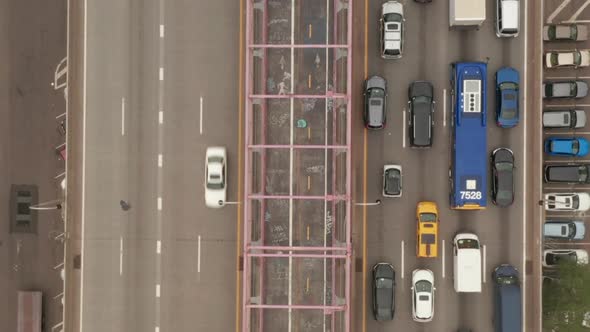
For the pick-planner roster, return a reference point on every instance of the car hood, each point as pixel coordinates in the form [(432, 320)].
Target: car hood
[(392, 7), (507, 74), (580, 230), (376, 82), (584, 201), (421, 88)]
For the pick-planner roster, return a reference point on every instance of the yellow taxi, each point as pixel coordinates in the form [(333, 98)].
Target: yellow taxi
[(427, 229)]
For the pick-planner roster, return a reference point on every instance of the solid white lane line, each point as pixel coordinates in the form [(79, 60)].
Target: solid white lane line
[(403, 267), (161, 30), (159, 203), (566, 77), (443, 259), (161, 73), (567, 161), (157, 290), (160, 160), (484, 263), (557, 10), (157, 329), (524, 180), (568, 105), (123, 116), (121, 256), (158, 247), (404, 128), (444, 108), (578, 12), (201, 116), (199, 255), (161, 117), (83, 203)]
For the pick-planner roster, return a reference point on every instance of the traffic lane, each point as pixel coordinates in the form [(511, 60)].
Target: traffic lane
[(101, 281), (198, 248)]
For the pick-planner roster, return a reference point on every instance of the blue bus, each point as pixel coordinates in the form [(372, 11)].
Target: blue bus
[(468, 171)]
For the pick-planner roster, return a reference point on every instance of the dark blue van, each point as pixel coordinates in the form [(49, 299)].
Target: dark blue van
[(507, 299)]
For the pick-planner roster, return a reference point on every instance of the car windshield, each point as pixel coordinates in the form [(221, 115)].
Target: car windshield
[(215, 181), (384, 283), (376, 93), (422, 99), (575, 147), (508, 86), (554, 259), (507, 280), (509, 113), (423, 286), (583, 173), (554, 58), (468, 244), (392, 17), (577, 58), (427, 239), (427, 217), (503, 166), (575, 202), (573, 89)]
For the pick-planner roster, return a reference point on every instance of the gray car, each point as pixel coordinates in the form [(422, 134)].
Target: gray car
[(565, 89), (564, 229), (564, 119), (421, 107), (375, 93), (570, 173)]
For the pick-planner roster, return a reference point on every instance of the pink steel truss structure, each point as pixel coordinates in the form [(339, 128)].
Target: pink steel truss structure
[(297, 253)]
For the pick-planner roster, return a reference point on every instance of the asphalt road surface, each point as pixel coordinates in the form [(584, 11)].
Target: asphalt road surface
[(159, 88), (430, 48)]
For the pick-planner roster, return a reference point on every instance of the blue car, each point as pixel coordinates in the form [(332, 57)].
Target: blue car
[(566, 146), (507, 81)]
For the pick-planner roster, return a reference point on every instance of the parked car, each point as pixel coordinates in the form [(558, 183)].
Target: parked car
[(423, 1), (375, 102), (502, 161), (383, 291), (215, 177), (565, 89), (392, 181), (566, 146), (392, 30), (575, 59), (564, 229), (564, 119), (421, 107), (422, 295), (553, 257), (565, 32), (579, 201), (570, 173), (507, 86), (427, 229)]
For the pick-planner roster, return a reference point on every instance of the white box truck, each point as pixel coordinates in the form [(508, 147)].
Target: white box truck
[(467, 13), (467, 263)]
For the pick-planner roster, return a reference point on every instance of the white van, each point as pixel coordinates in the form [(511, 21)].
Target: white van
[(507, 18), (467, 263)]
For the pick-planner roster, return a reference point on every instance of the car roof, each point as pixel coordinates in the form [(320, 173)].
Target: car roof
[(422, 123)]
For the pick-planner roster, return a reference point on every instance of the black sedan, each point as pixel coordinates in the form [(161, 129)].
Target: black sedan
[(421, 106), (502, 177), (375, 102), (383, 291)]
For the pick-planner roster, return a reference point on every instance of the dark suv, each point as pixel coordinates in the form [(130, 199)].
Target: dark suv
[(383, 291), (571, 173), (421, 106)]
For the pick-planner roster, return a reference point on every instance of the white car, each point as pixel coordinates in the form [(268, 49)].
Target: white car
[(552, 257), (422, 295), (567, 202), (575, 59), (392, 30), (215, 177)]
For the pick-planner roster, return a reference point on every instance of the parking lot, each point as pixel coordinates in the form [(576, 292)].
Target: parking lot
[(391, 226), (566, 12)]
